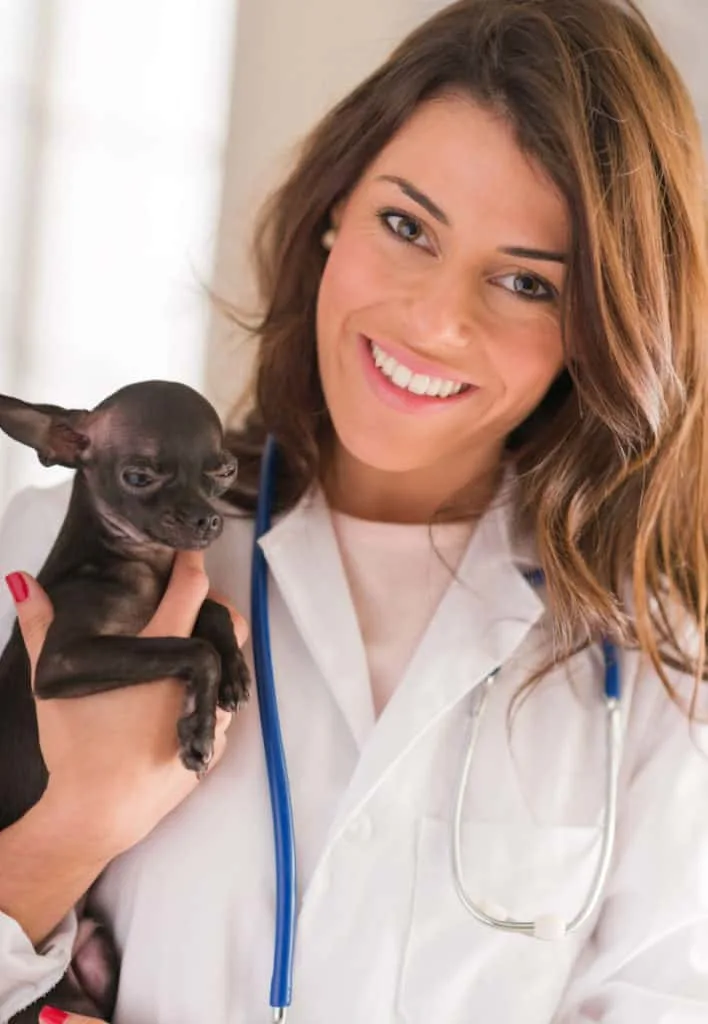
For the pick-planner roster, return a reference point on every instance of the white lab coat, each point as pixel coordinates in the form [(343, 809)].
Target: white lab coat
[(381, 934)]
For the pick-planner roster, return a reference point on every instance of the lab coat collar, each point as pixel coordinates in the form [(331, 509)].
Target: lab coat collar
[(303, 556), (482, 619)]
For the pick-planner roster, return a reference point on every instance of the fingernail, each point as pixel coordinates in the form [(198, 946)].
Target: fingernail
[(50, 1015), (17, 586)]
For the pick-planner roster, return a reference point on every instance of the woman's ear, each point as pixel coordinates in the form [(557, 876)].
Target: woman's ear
[(335, 217), (337, 212)]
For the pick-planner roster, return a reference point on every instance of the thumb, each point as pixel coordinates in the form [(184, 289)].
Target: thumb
[(34, 612), (184, 596)]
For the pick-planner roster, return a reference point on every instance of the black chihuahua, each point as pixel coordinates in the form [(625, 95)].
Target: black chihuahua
[(150, 464)]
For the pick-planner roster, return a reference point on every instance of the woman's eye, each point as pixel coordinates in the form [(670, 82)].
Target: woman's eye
[(137, 478), (527, 286), (407, 228)]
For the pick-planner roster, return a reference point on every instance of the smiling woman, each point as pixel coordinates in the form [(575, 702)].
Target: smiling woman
[(436, 274), (463, 213), (481, 402)]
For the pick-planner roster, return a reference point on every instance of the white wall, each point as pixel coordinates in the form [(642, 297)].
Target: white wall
[(293, 61), (682, 25), (113, 119)]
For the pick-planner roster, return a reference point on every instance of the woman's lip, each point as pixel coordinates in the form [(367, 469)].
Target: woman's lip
[(416, 363), (400, 399)]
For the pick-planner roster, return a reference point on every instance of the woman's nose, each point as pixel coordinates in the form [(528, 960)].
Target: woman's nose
[(445, 311)]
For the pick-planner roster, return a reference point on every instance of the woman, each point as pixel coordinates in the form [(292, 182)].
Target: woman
[(482, 353)]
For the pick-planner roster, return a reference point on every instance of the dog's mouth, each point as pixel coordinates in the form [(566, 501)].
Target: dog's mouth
[(175, 530), (123, 529), (176, 540), (184, 543), (187, 536)]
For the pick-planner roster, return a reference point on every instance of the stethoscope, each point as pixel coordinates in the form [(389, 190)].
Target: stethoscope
[(546, 927)]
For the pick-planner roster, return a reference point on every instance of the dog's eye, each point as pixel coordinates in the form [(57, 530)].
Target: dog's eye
[(222, 476), (137, 478)]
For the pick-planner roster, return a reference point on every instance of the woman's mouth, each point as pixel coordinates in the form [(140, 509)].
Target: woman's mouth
[(407, 386), (418, 383)]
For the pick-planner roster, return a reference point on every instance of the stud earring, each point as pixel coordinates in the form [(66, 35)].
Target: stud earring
[(328, 239)]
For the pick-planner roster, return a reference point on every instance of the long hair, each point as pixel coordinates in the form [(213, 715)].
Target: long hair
[(612, 467)]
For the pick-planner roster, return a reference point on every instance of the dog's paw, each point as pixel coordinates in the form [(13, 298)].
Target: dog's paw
[(235, 681), (196, 742)]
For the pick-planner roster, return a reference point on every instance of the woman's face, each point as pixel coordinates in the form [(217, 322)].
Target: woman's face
[(438, 327)]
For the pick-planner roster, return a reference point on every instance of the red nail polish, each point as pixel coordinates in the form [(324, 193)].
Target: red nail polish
[(50, 1015), (17, 586)]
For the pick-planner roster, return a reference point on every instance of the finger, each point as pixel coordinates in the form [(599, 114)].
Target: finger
[(50, 1015), (34, 612), (223, 720), (185, 594), (240, 624), (220, 741)]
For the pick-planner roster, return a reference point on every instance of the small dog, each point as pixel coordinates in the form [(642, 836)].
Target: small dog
[(150, 465)]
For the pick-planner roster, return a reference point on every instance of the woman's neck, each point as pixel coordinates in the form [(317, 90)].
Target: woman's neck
[(410, 496)]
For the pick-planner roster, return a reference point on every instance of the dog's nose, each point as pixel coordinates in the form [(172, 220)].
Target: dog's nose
[(209, 524)]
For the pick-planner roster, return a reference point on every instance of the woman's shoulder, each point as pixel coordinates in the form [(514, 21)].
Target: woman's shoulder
[(667, 708)]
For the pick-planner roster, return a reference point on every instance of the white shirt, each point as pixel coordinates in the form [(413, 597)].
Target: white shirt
[(397, 573), (381, 934)]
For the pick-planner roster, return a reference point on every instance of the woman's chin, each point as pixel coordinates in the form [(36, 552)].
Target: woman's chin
[(382, 454)]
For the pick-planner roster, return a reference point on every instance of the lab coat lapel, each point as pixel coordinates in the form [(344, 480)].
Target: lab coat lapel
[(481, 621), (303, 557)]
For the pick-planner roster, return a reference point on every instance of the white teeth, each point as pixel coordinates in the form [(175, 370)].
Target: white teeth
[(418, 383), (402, 376)]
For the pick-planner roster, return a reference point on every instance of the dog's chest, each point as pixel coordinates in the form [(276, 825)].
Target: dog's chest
[(128, 602)]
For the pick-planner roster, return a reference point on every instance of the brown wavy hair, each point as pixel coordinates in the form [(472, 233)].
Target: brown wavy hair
[(612, 466)]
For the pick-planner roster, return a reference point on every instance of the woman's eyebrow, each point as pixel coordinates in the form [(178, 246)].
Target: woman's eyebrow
[(434, 210), (534, 254), (417, 196)]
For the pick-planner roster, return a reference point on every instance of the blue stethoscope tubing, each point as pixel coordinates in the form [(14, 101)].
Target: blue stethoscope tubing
[(281, 805), (280, 802)]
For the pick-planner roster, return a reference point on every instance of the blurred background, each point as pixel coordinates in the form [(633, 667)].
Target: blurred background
[(137, 138)]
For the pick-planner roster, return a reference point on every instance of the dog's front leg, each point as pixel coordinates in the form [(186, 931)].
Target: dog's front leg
[(215, 625), (81, 666)]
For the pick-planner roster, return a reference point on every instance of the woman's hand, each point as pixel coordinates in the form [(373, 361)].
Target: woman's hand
[(112, 757), (50, 1015)]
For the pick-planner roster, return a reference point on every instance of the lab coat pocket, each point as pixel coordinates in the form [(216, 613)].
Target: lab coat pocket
[(452, 964)]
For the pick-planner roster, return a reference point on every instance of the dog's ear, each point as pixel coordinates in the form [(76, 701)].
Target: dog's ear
[(58, 435)]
